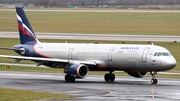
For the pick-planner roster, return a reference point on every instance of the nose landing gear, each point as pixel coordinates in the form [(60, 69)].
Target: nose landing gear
[(153, 80)]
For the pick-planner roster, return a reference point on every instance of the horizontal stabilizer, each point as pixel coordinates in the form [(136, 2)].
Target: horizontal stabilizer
[(6, 48)]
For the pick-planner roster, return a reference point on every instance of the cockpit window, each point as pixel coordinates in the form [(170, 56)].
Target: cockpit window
[(159, 54), (162, 54), (165, 54), (155, 54)]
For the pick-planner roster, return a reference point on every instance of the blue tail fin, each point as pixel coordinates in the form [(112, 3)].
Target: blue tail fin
[(26, 32)]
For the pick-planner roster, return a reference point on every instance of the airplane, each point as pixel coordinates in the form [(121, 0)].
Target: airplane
[(78, 59)]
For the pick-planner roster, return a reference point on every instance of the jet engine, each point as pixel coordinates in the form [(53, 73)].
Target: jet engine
[(137, 74), (78, 70)]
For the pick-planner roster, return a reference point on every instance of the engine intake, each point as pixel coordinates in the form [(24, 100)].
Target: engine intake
[(137, 74), (79, 70)]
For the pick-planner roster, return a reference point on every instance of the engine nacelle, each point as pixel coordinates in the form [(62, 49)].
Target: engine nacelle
[(79, 70), (137, 74)]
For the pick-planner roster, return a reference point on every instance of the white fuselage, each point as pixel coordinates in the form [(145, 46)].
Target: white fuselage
[(117, 56)]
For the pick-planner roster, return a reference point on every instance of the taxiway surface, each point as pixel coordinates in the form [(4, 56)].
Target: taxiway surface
[(112, 37), (94, 88)]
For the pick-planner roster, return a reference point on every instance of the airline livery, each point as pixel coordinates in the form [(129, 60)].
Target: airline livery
[(78, 59)]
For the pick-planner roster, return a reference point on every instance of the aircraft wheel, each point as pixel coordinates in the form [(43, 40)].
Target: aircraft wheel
[(112, 77), (107, 77), (73, 79), (67, 78), (154, 81)]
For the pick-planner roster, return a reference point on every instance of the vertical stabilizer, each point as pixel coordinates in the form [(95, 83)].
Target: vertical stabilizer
[(26, 32)]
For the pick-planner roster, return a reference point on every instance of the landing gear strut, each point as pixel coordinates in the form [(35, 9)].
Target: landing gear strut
[(153, 80), (69, 78), (109, 76)]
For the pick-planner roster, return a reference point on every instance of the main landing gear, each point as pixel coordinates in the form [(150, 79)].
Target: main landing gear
[(153, 80), (109, 76), (70, 78)]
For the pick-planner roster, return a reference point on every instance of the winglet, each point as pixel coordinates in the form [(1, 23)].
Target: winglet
[(26, 32)]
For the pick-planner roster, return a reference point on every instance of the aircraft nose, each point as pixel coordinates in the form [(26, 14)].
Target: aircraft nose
[(170, 63)]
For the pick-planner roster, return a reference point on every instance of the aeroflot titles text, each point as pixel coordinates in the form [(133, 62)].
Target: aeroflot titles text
[(129, 48)]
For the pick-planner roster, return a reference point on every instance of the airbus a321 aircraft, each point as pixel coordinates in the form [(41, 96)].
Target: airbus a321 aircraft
[(77, 59)]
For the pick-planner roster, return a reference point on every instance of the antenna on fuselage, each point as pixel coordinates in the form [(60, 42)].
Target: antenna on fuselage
[(151, 42)]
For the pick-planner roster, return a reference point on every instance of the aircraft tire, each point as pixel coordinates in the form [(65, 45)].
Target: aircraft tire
[(73, 79), (112, 77), (154, 81), (67, 78), (107, 77)]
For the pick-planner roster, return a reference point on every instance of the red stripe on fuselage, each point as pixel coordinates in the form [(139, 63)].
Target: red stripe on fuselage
[(102, 66)]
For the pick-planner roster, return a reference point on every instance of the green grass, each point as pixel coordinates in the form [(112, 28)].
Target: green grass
[(31, 69), (97, 22), (7, 94)]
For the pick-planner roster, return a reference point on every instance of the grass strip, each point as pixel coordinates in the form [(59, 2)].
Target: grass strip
[(7, 94), (137, 23)]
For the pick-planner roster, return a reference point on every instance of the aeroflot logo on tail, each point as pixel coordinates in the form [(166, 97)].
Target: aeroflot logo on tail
[(23, 27), (129, 48)]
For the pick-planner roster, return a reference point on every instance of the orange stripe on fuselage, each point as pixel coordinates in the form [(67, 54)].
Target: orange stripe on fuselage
[(42, 55)]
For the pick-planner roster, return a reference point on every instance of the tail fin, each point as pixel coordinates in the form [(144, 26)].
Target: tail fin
[(26, 32)]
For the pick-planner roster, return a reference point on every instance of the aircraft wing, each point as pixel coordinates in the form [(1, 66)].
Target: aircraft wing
[(48, 59)]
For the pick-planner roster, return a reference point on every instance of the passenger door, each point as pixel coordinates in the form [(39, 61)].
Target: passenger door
[(144, 54), (70, 53), (110, 54)]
